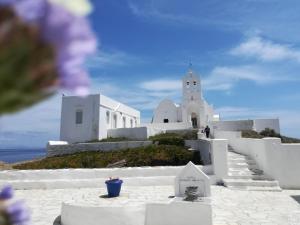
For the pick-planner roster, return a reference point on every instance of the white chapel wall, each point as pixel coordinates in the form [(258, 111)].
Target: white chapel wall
[(88, 128), (166, 110)]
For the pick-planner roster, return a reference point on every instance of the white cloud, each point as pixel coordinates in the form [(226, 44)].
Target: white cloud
[(162, 85), (221, 78), (104, 59), (154, 13), (266, 50), (225, 78)]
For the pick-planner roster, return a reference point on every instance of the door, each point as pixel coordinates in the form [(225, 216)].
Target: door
[(194, 120)]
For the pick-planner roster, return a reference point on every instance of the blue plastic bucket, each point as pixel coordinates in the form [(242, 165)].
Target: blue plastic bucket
[(113, 187)]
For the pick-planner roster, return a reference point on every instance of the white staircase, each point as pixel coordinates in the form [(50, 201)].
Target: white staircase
[(244, 174)]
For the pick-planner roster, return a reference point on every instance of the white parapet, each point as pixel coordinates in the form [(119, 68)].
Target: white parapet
[(213, 152), (179, 212), (92, 215), (219, 155)]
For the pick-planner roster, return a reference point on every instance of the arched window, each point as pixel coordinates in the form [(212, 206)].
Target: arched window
[(195, 82), (115, 121), (131, 123), (107, 117), (124, 122)]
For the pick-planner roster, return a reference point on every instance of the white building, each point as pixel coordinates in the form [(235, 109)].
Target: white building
[(193, 112), (89, 118)]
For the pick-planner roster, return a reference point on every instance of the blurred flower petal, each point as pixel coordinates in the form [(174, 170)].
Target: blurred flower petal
[(6, 193), (77, 7)]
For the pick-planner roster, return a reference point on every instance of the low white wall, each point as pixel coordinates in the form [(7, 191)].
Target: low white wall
[(84, 215), (278, 161), (93, 178), (174, 212), (239, 125), (214, 152), (137, 133), (54, 149), (203, 146), (236, 125), (219, 151), (261, 124), (170, 126), (219, 134), (179, 213)]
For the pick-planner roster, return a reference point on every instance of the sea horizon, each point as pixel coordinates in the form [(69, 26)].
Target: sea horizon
[(14, 155)]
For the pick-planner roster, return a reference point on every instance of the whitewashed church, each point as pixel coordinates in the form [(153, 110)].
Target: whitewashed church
[(193, 112), (97, 117)]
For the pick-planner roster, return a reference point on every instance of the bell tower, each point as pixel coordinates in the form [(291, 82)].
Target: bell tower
[(191, 88)]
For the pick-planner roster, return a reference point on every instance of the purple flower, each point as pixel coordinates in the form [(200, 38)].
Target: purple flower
[(70, 35), (74, 41), (18, 213), (6, 193)]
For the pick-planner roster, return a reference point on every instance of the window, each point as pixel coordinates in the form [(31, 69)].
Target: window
[(107, 117), (131, 123), (166, 120), (115, 121), (79, 117), (187, 83), (195, 82), (124, 122)]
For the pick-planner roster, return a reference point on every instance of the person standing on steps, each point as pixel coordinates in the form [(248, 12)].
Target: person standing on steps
[(207, 131)]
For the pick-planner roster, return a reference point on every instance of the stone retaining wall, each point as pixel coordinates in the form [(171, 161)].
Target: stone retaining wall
[(65, 149)]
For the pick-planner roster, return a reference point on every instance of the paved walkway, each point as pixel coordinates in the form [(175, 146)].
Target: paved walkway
[(230, 207)]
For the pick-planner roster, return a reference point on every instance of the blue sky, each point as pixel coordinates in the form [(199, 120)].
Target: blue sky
[(247, 53)]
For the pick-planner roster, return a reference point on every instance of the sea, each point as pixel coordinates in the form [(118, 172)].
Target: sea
[(19, 154)]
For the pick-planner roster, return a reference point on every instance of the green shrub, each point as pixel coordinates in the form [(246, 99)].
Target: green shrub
[(190, 135), (251, 134), (168, 139), (269, 133), (152, 155)]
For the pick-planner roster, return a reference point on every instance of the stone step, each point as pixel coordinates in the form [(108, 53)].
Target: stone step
[(242, 165), (250, 161), (238, 157), (251, 188), (246, 176), (249, 183), (240, 173), (246, 170), (238, 162)]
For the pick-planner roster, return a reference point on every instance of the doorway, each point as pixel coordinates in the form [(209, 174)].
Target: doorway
[(194, 120)]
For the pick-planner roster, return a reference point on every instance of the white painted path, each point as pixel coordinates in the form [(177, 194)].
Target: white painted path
[(230, 207)]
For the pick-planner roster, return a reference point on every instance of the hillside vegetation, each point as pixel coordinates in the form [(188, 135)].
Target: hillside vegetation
[(174, 138), (153, 155), (268, 133)]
